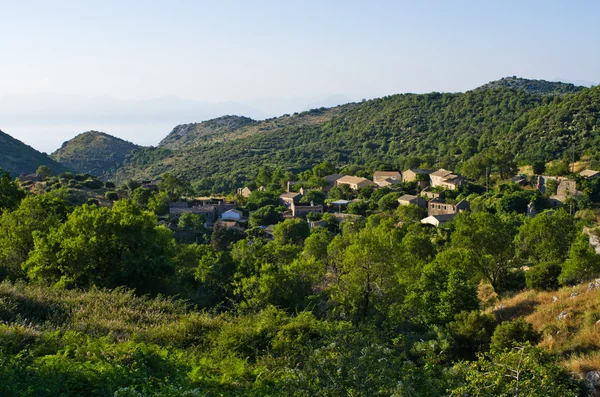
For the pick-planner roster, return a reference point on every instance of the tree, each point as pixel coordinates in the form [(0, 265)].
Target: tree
[(44, 171), (10, 194), (490, 236), (582, 264), (522, 371), (363, 286), (513, 333), (315, 245), (291, 231), (159, 203), (538, 166), (112, 196), (35, 215), (191, 222), (441, 293), (546, 238), (173, 186), (264, 216), (411, 213), (104, 247), (141, 196), (389, 202), (543, 276), (315, 196)]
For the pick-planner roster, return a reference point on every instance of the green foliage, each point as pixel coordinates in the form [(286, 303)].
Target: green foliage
[(35, 214), (18, 158), (94, 153), (441, 294), (112, 196), (291, 231), (141, 197), (389, 202), (490, 236), (543, 276), (10, 194), (582, 264), (523, 371), (44, 171), (472, 332), (513, 333), (264, 216), (159, 203), (546, 238), (105, 248)]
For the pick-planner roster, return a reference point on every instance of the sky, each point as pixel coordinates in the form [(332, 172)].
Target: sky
[(126, 67)]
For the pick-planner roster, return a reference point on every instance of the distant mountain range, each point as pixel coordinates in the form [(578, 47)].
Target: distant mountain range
[(530, 119)]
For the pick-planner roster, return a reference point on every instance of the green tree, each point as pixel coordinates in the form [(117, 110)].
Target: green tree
[(291, 231), (159, 203), (523, 371), (10, 194), (582, 264), (44, 171), (141, 196), (191, 222), (513, 333), (364, 286), (546, 238), (491, 237), (264, 216), (35, 214), (389, 202), (104, 247)]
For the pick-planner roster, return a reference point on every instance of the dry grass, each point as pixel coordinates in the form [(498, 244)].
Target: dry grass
[(576, 337)]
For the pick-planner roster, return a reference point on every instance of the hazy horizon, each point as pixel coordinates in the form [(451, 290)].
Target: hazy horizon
[(136, 69)]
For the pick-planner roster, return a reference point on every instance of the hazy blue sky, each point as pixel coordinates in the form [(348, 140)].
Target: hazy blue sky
[(261, 52)]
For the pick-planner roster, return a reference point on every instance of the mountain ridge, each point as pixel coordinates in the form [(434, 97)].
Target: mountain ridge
[(93, 152), (18, 158)]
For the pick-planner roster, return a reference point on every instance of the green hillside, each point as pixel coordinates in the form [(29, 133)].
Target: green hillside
[(19, 158), (219, 129), (540, 87), (525, 119), (93, 152)]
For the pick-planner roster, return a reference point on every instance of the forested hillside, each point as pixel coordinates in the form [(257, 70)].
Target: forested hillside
[(399, 132), (19, 158), (93, 152), (541, 87)]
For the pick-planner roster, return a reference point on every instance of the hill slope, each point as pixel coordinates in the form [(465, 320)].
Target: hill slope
[(93, 152), (539, 87), (399, 131), (19, 158), (190, 135)]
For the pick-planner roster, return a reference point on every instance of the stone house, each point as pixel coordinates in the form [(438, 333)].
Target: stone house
[(355, 182), (589, 174), (437, 220), (412, 174), (387, 178), (289, 198), (408, 199), (430, 194), (244, 192), (31, 178), (301, 210), (439, 207), (445, 179)]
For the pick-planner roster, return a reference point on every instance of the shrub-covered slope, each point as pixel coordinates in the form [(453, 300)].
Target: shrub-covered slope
[(93, 152), (19, 158)]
